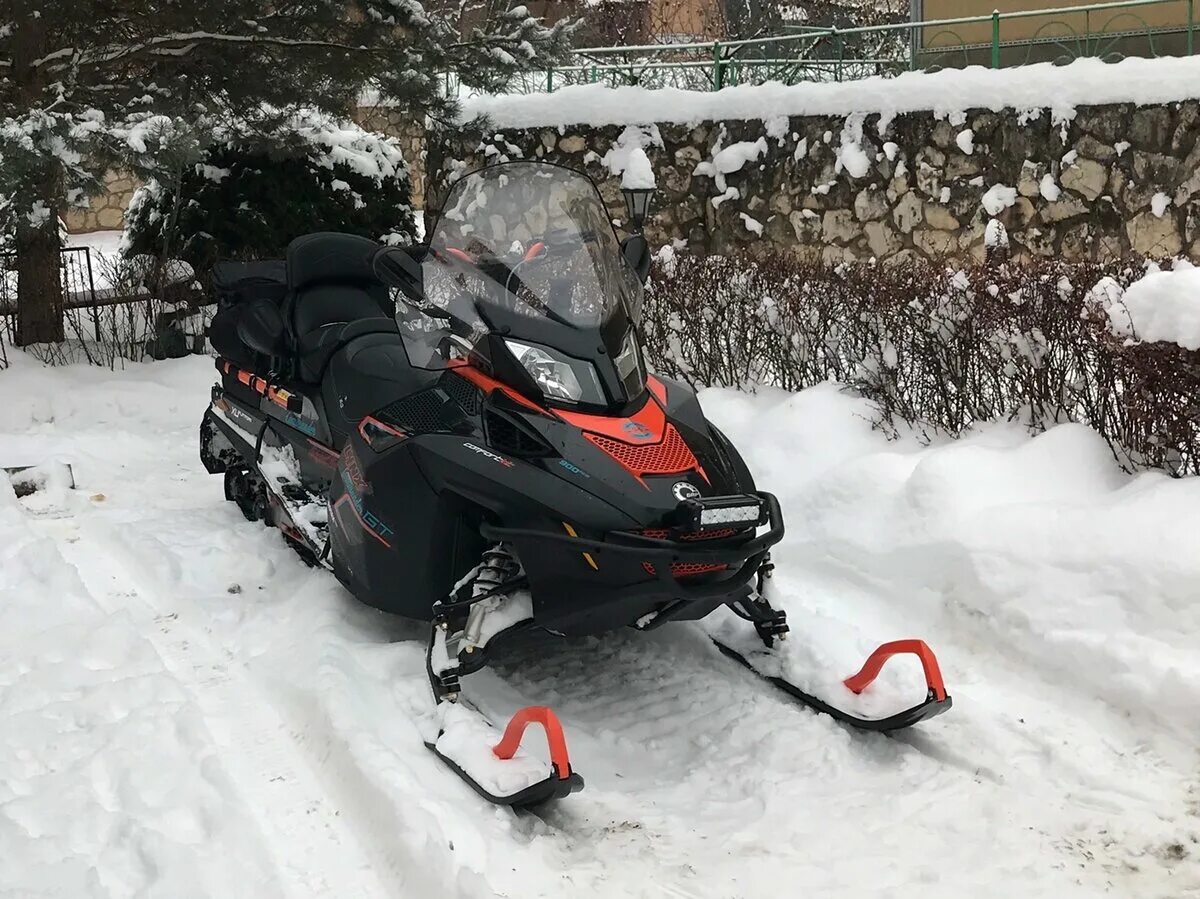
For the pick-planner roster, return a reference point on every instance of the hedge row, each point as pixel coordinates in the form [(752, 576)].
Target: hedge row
[(935, 347)]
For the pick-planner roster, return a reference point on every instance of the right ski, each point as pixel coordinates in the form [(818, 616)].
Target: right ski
[(936, 700)]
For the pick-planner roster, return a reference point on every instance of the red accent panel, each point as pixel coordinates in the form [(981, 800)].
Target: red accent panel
[(658, 388), (874, 664), (345, 502), (536, 714), (651, 419), (487, 384), (386, 428), (461, 255), (670, 455), (689, 569), (322, 454)]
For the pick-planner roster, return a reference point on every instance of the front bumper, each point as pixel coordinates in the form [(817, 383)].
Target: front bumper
[(621, 575)]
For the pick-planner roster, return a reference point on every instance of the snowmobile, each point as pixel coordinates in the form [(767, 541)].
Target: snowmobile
[(464, 432)]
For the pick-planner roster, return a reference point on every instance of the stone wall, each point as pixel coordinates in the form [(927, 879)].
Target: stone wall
[(409, 133), (1108, 181), (106, 211)]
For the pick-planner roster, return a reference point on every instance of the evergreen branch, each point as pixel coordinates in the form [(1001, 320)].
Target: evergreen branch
[(163, 45)]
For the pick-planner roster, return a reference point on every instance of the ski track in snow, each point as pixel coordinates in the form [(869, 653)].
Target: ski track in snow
[(1056, 774)]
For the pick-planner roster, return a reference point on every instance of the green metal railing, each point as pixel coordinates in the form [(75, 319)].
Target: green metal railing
[(1107, 31)]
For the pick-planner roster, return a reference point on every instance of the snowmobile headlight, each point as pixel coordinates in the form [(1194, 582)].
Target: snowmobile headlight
[(559, 377), (629, 364)]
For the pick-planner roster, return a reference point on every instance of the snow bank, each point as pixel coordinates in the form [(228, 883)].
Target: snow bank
[(1040, 547), (1085, 82), (1162, 306)]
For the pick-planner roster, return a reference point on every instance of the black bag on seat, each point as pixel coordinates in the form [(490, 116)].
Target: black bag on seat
[(236, 284)]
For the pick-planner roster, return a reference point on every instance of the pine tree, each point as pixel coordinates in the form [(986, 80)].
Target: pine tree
[(83, 82)]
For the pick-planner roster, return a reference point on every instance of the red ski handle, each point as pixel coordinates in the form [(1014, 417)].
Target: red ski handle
[(875, 662), (536, 714)]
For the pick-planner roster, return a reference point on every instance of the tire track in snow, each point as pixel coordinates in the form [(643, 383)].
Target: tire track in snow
[(261, 753)]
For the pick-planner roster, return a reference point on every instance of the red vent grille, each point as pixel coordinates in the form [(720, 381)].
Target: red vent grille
[(688, 569), (669, 456), (664, 534)]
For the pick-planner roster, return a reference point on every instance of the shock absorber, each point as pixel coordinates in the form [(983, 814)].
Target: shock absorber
[(496, 568)]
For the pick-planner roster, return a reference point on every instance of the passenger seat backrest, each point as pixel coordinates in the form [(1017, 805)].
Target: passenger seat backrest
[(330, 281)]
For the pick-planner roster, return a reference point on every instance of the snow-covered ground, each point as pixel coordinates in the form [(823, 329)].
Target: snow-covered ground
[(187, 710)]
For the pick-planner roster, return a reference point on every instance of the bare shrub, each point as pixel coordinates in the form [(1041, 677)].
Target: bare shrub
[(939, 348), (140, 314)]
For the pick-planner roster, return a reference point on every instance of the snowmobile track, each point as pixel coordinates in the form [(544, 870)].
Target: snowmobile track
[(270, 761)]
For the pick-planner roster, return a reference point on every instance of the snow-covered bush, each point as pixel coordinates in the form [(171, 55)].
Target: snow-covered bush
[(252, 192), (938, 348)]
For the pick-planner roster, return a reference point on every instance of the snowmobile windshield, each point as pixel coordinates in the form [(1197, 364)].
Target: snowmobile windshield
[(537, 240), (524, 263)]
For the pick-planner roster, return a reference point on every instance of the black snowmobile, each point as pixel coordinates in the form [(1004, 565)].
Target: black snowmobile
[(465, 433)]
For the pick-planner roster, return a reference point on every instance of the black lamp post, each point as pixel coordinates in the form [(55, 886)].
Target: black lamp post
[(637, 201)]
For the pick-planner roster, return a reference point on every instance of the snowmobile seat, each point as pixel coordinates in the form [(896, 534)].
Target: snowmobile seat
[(317, 347), (331, 285)]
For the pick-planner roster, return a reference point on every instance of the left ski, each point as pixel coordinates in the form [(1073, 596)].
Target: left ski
[(937, 700)]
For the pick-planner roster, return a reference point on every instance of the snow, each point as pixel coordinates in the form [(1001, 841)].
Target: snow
[(732, 158), (1060, 89), (627, 157), (777, 128), (1159, 203), (1049, 188), (468, 742), (104, 248), (186, 709), (753, 225), (1161, 306), (639, 174), (851, 156), (998, 198), (995, 234), (966, 141)]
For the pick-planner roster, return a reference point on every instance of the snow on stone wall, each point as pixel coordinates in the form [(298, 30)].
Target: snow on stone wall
[(1074, 182)]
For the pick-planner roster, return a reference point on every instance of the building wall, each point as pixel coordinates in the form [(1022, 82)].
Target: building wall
[(1166, 15)]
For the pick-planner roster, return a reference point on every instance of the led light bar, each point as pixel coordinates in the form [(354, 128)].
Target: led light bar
[(734, 515), (717, 512)]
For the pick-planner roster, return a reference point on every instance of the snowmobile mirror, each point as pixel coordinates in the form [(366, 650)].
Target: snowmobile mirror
[(636, 251), (397, 267), (260, 327)]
